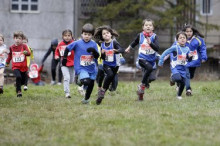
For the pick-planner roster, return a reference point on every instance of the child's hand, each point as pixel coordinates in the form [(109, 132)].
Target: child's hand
[(148, 40), (57, 57), (190, 54), (25, 52), (203, 61), (115, 51), (127, 50), (103, 51), (7, 64)]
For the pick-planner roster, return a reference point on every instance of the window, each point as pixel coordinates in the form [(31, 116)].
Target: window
[(206, 7), (24, 6)]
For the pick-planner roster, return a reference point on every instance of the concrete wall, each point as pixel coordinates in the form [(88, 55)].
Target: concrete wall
[(54, 16)]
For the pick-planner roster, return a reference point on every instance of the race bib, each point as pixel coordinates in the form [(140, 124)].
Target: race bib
[(86, 60), (145, 48), (18, 56), (109, 55), (2, 58), (181, 59), (33, 74), (195, 55)]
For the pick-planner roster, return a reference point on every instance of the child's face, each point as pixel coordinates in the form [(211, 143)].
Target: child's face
[(18, 40), (33, 68), (189, 33), (67, 37), (148, 27), (1, 41), (86, 36), (181, 40), (106, 35), (24, 41)]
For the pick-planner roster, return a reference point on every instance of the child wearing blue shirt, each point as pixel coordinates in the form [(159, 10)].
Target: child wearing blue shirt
[(198, 48), (178, 61), (147, 55), (85, 59)]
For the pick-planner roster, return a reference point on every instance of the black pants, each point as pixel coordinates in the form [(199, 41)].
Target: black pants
[(180, 81), (54, 64), (100, 77), (148, 68), (110, 74), (114, 83), (20, 79)]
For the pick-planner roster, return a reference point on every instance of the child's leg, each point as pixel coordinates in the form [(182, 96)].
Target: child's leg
[(89, 89), (17, 74), (180, 80), (100, 77), (59, 73), (148, 69), (23, 78), (53, 69), (72, 74), (110, 74), (114, 84), (66, 79), (2, 77)]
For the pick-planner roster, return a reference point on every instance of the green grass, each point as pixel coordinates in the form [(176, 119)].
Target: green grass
[(44, 117)]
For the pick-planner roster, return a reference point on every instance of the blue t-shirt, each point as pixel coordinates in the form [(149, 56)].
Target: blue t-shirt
[(82, 59)]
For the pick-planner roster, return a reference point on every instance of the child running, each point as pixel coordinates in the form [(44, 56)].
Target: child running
[(198, 48), (29, 59), (18, 53), (35, 74), (68, 69), (178, 61), (147, 55), (85, 59), (3, 56), (110, 53)]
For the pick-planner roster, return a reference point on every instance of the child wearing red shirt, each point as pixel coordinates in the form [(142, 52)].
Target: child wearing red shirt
[(34, 74), (67, 69), (18, 53)]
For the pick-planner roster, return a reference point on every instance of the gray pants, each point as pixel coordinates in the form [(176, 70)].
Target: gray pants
[(68, 77)]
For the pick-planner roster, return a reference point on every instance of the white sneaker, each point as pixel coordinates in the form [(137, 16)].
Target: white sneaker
[(81, 90), (59, 83), (68, 95), (85, 101), (179, 97), (189, 92), (52, 82), (25, 88)]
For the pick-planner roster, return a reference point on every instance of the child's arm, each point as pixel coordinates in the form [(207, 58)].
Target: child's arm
[(117, 47), (9, 57), (203, 51), (41, 68), (165, 53), (47, 54), (26, 51), (133, 44), (93, 52), (155, 45), (57, 53)]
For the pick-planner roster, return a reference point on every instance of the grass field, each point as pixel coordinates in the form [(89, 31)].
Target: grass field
[(43, 116)]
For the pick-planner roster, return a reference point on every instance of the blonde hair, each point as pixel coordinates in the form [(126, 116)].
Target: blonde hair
[(1, 36)]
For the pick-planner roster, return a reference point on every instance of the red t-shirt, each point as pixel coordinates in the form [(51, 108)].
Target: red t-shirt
[(60, 53), (19, 60)]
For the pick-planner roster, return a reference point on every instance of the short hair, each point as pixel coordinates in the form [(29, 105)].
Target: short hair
[(179, 33), (67, 31), (19, 34), (98, 32), (88, 28), (25, 38), (147, 19), (1, 36)]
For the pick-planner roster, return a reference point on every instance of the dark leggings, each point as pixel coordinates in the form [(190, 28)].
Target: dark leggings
[(110, 74), (54, 64), (100, 77), (180, 81), (20, 79), (89, 84), (147, 70)]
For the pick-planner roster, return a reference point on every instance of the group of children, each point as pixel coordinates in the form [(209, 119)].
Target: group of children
[(79, 59)]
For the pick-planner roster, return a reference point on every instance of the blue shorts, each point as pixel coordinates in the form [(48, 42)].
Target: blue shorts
[(84, 74)]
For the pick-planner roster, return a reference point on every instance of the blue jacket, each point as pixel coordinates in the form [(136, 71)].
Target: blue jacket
[(198, 47)]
